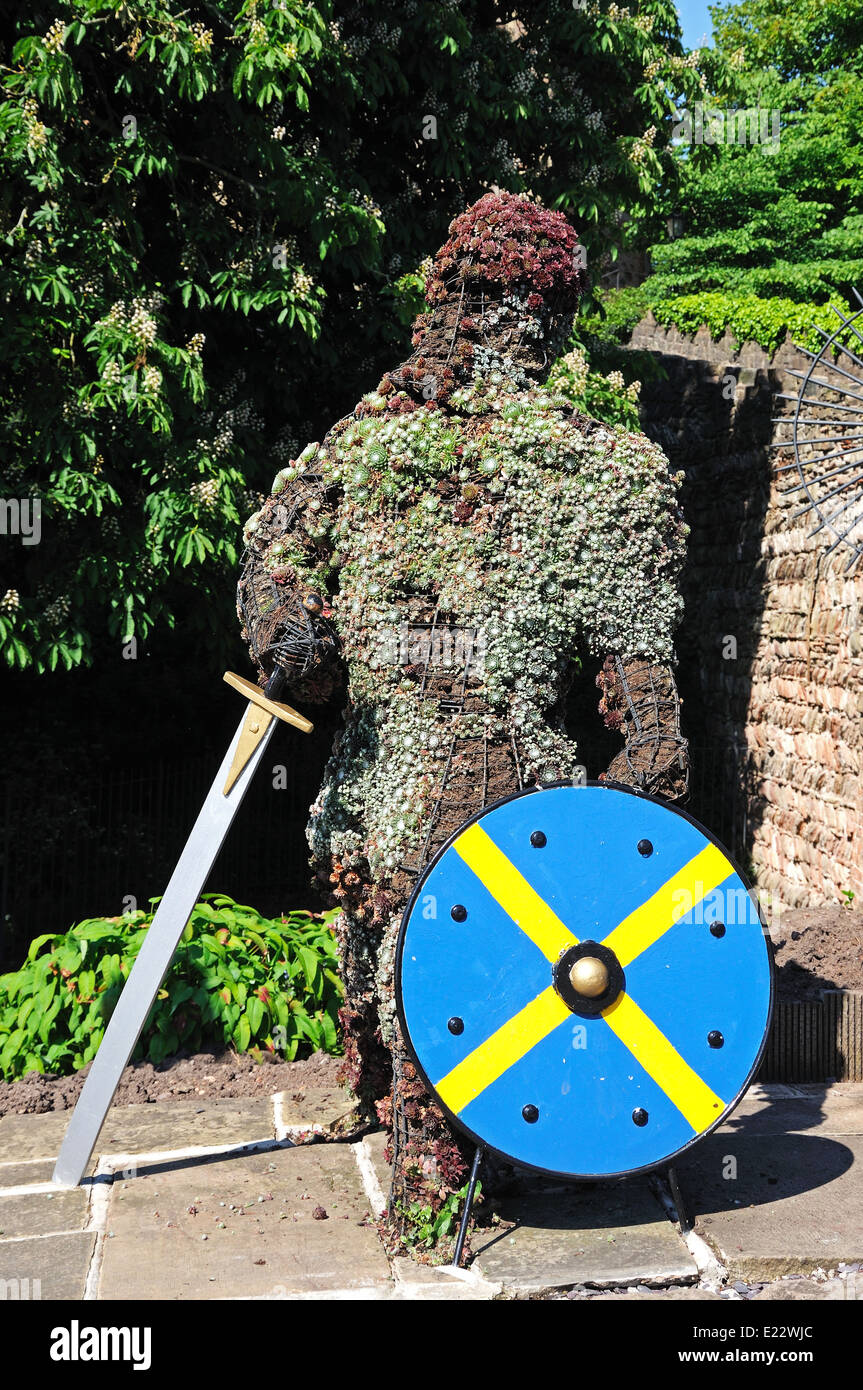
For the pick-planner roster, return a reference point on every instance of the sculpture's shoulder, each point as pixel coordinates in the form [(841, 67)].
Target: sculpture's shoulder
[(544, 414), (613, 445), (609, 437)]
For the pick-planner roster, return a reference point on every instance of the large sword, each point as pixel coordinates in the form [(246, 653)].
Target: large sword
[(130, 1014)]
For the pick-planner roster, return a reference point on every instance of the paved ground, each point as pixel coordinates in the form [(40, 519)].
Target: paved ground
[(215, 1199)]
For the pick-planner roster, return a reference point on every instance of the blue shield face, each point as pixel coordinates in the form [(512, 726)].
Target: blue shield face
[(584, 980)]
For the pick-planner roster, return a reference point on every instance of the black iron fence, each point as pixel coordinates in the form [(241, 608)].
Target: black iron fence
[(103, 844)]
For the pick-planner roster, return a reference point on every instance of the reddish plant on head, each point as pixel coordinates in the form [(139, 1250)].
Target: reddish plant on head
[(507, 240)]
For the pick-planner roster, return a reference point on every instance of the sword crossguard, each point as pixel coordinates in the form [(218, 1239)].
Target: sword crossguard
[(259, 716)]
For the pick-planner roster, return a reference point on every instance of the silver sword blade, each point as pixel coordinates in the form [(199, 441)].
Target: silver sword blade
[(155, 956)]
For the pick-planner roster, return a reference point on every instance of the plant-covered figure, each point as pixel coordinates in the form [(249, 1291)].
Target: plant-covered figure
[(440, 559)]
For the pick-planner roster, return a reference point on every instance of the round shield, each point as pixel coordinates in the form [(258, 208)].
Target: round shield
[(584, 980)]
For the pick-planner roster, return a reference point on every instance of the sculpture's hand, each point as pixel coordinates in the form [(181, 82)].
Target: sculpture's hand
[(288, 623), (640, 698)]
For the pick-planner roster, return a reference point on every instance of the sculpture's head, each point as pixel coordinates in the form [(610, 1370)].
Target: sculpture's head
[(503, 291), (507, 243)]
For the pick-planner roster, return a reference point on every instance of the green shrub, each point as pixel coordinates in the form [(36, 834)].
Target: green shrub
[(614, 315), (763, 321), (604, 397), (237, 979), (748, 317), (423, 1227)]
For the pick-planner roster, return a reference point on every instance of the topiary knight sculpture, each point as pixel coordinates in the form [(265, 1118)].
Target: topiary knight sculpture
[(439, 559)]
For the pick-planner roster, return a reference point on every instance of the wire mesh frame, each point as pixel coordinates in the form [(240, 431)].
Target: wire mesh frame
[(663, 736), (401, 1131), (816, 500), (284, 628), (483, 311)]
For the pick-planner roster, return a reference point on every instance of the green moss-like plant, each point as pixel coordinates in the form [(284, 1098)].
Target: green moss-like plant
[(748, 318)]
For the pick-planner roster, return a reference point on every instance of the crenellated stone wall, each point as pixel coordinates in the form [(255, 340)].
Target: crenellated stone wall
[(771, 649)]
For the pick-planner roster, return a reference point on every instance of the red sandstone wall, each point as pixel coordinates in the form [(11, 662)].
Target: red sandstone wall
[(790, 697)]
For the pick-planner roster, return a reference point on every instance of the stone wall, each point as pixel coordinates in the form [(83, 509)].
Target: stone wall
[(771, 652)]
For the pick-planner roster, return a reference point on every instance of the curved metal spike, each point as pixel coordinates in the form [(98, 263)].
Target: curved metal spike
[(852, 409), (828, 386), (831, 338)]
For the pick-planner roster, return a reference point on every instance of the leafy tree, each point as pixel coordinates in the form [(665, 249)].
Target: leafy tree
[(808, 36), (774, 220), (211, 221)]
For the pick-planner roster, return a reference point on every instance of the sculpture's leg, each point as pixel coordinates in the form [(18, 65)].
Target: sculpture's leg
[(367, 1068), (429, 1161)]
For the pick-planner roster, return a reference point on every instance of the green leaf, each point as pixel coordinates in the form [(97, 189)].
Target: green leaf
[(310, 964)]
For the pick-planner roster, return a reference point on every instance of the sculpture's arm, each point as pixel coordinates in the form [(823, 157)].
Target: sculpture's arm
[(639, 697), (288, 578)]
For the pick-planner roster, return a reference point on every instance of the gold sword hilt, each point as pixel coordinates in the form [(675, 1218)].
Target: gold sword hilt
[(259, 716)]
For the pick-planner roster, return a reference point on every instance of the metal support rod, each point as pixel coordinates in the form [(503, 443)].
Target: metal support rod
[(468, 1204), (680, 1208)]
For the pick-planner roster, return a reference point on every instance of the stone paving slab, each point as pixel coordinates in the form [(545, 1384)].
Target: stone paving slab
[(437, 1283), (572, 1235), (32, 1213), (795, 1205), (374, 1145), (314, 1105), (595, 1235), (479, 1292), (24, 1174), (775, 1109), (180, 1124), (173, 1124), (156, 1246), (59, 1263), (31, 1136)]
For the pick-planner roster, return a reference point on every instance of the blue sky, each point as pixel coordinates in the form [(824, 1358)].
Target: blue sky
[(695, 20)]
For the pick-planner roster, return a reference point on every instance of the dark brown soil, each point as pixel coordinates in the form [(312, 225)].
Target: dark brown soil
[(817, 948), (223, 1074)]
